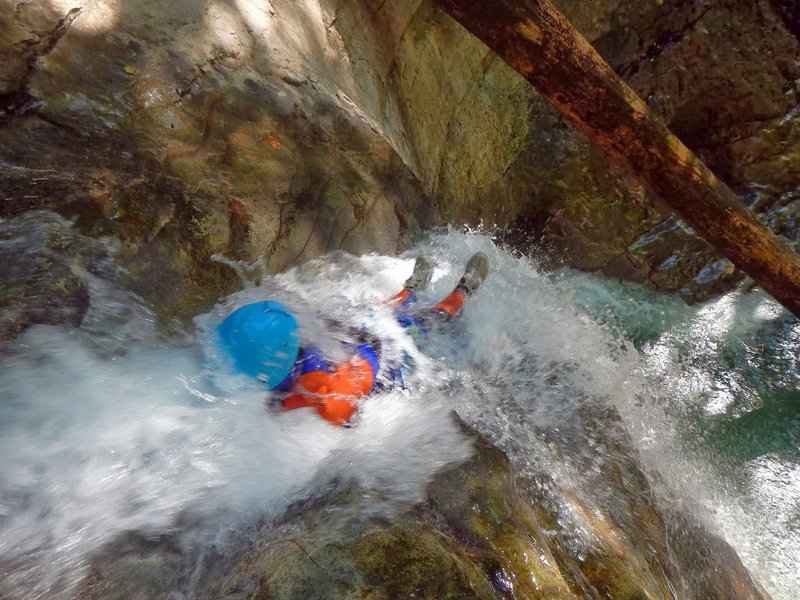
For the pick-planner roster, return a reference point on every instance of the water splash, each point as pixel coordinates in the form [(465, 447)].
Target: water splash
[(96, 447), (718, 414), (161, 438)]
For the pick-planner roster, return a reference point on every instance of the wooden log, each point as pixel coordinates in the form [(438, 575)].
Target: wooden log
[(534, 38)]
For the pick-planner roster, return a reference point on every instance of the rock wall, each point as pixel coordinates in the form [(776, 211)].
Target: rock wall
[(291, 128), (723, 75), (190, 128)]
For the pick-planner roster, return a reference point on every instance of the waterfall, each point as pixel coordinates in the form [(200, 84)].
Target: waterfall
[(101, 439)]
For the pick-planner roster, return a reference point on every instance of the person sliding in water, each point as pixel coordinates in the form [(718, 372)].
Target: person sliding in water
[(262, 340)]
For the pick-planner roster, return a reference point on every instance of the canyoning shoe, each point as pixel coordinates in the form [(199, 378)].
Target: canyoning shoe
[(475, 272), (421, 277)]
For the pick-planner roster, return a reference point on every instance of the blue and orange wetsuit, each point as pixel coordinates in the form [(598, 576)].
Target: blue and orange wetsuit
[(334, 390)]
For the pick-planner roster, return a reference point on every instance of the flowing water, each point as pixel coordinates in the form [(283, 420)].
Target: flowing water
[(107, 429)]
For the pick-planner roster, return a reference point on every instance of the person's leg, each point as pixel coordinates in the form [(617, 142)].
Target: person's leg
[(405, 299), (403, 302), (475, 272)]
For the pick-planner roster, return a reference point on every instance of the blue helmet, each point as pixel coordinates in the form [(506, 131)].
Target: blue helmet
[(262, 340)]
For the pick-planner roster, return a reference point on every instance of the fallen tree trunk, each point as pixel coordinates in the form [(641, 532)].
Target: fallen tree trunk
[(537, 40)]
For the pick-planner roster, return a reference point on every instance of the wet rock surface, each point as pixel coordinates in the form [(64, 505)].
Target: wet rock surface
[(482, 532), (290, 129), (53, 275), (37, 253), (182, 133), (722, 75)]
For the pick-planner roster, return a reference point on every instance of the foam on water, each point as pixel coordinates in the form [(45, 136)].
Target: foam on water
[(717, 414), (95, 447), (98, 444)]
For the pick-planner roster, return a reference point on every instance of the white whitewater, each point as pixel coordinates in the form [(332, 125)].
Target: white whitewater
[(161, 437)]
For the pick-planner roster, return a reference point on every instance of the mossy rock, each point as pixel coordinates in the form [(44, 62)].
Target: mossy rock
[(412, 562)]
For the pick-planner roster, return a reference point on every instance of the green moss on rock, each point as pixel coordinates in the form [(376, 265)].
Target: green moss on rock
[(409, 562)]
